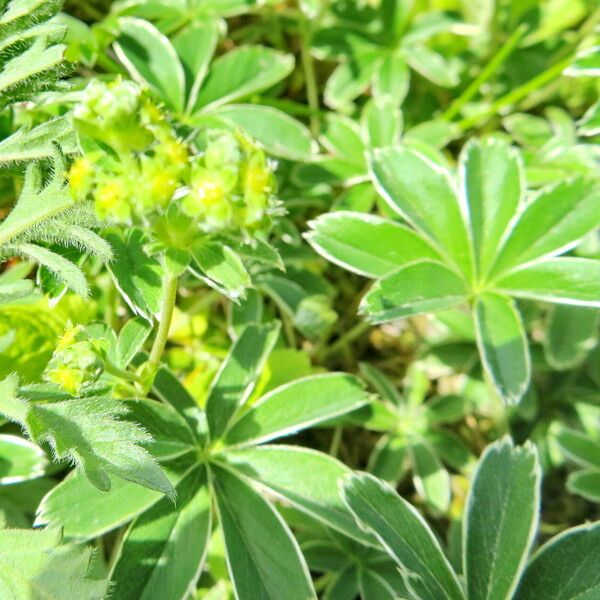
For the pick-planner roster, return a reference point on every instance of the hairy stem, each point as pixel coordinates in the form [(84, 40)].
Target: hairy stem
[(166, 315)]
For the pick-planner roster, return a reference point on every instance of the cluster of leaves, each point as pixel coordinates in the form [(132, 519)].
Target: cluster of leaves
[(199, 395)]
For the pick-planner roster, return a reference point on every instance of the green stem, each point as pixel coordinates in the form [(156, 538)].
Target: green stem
[(162, 333), (493, 65), (312, 90), (336, 440), (121, 373), (517, 94), (356, 331)]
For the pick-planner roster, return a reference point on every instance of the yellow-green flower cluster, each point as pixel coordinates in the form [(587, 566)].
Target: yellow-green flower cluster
[(135, 164), (74, 365), (231, 184)]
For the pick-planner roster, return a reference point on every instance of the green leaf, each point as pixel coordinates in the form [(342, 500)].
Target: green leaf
[(137, 275), (33, 565), (381, 383), (570, 336), (247, 311), (404, 534), (241, 73), (238, 374), (492, 181), (165, 546), (195, 46), (20, 460), (131, 340), (263, 558), (150, 57), (431, 479), (392, 79), (416, 288), (33, 70), (586, 63), (429, 136), (304, 478), (579, 447), (431, 65), (562, 280), (91, 433), (15, 290), (296, 406), (350, 79), (280, 134), (37, 203), (501, 520), (367, 244), (585, 483), (565, 568), (342, 136), (170, 390), (63, 268), (381, 122), (39, 142), (423, 194), (98, 512), (220, 267), (388, 459), (589, 125), (551, 223), (502, 345), (171, 434)]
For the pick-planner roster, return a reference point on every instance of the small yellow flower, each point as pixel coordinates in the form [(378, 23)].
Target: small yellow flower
[(208, 191), (175, 152), (257, 179), (68, 378), (69, 337), (80, 176), (111, 201)]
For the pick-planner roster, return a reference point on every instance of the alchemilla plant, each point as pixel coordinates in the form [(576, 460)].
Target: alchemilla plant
[(203, 396)]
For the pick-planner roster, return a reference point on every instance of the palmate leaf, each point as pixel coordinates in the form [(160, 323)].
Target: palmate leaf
[(476, 238), (92, 434), (179, 72), (425, 196), (35, 566), (367, 244)]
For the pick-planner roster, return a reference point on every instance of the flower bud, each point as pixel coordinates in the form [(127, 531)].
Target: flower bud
[(74, 364)]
